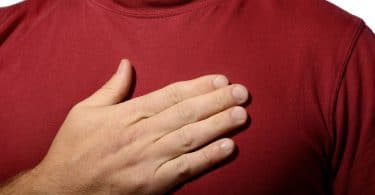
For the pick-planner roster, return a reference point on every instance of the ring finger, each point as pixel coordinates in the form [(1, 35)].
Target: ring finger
[(197, 134)]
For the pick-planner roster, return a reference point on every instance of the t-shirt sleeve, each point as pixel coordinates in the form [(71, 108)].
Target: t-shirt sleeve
[(10, 18), (353, 161)]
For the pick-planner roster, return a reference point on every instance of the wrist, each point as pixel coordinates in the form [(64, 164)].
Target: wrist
[(41, 181), (22, 183)]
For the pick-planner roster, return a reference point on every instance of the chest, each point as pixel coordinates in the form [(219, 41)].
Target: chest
[(50, 72)]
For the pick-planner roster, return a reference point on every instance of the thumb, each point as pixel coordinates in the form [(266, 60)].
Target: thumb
[(115, 89)]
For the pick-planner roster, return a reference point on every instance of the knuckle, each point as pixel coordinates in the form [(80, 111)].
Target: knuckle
[(133, 135), (217, 122), (173, 93), (136, 157), (135, 110), (107, 89), (186, 140), (219, 100), (185, 113), (137, 133), (183, 169), (77, 110), (77, 106), (139, 184), (207, 161)]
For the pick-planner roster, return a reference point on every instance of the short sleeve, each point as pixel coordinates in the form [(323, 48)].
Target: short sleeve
[(10, 17), (353, 160)]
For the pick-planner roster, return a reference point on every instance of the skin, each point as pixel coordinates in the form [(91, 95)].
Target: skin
[(145, 145)]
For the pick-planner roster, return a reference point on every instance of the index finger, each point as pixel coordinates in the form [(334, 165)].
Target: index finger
[(159, 100)]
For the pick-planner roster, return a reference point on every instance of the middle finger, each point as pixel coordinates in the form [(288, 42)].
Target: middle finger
[(194, 109)]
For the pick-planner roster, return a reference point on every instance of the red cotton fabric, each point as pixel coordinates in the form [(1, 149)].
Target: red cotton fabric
[(309, 67)]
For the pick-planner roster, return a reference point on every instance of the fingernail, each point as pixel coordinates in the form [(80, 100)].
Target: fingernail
[(239, 114), (240, 93), (220, 81), (227, 145)]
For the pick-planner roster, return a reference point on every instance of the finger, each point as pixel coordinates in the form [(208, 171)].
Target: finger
[(193, 110), (198, 134), (157, 101), (188, 165), (115, 89)]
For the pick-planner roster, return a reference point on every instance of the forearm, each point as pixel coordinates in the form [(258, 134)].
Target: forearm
[(27, 182), (20, 184)]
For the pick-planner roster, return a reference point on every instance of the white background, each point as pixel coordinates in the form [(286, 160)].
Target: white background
[(362, 8)]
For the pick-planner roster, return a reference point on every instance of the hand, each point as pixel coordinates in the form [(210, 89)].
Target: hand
[(145, 145)]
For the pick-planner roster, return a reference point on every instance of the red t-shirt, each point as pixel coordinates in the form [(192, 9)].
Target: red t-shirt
[(309, 67)]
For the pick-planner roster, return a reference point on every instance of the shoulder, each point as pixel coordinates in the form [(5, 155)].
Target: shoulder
[(313, 17), (314, 37), (17, 20), (324, 19), (315, 26), (25, 7)]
